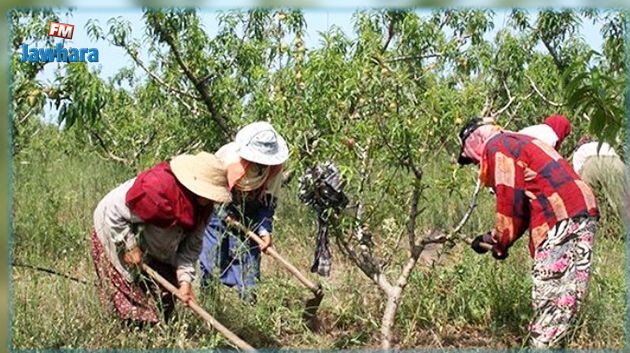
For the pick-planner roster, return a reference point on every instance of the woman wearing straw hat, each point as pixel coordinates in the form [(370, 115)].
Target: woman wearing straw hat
[(254, 163), (156, 218)]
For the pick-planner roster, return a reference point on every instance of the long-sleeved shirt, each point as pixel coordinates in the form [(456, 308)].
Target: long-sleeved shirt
[(542, 132), (116, 225), (256, 212), (555, 192)]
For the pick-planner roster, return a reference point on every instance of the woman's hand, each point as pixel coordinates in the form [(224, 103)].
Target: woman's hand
[(186, 292), (480, 245), (133, 257), (266, 242), (499, 255)]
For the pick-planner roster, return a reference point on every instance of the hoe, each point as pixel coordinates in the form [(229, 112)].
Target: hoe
[(311, 304), (197, 309)]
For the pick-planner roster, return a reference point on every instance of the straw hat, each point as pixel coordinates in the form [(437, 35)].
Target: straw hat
[(260, 143), (203, 174)]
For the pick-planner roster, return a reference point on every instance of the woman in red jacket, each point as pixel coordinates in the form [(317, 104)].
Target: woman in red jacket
[(171, 203), (537, 190)]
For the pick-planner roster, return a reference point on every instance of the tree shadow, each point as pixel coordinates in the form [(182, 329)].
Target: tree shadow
[(251, 334)]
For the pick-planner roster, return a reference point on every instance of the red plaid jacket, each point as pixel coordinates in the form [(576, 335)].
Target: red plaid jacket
[(555, 192)]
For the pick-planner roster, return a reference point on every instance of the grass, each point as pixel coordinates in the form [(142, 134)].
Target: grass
[(466, 301)]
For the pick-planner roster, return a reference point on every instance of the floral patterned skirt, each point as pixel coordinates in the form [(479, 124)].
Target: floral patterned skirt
[(562, 267), (141, 301)]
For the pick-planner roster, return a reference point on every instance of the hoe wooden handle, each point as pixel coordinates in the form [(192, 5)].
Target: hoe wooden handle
[(315, 288), (199, 310), (483, 245), (486, 246)]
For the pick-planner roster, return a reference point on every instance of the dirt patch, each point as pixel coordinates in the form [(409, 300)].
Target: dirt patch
[(431, 255), (464, 336)]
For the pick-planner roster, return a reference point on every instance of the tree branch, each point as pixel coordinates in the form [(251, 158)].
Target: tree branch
[(552, 51), (406, 270), (390, 36), (471, 206), (548, 101), (515, 110), (144, 145), (107, 151), (191, 147), (502, 109), (366, 261), (443, 238), (407, 160), (415, 57), (507, 105), (486, 107), (201, 87), (413, 213), (155, 77), (26, 116), (363, 154), (367, 264), (177, 92)]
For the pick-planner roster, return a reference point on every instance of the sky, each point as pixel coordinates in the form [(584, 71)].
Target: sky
[(112, 59), (318, 20)]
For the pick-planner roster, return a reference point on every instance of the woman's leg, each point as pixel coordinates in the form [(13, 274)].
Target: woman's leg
[(214, 252), (561, 271), (128, 300), (165, 299), (232, 258), (224, 255), (250, 270)]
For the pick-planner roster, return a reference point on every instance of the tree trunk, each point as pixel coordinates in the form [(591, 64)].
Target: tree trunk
[(389, 315), (394, 294)]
